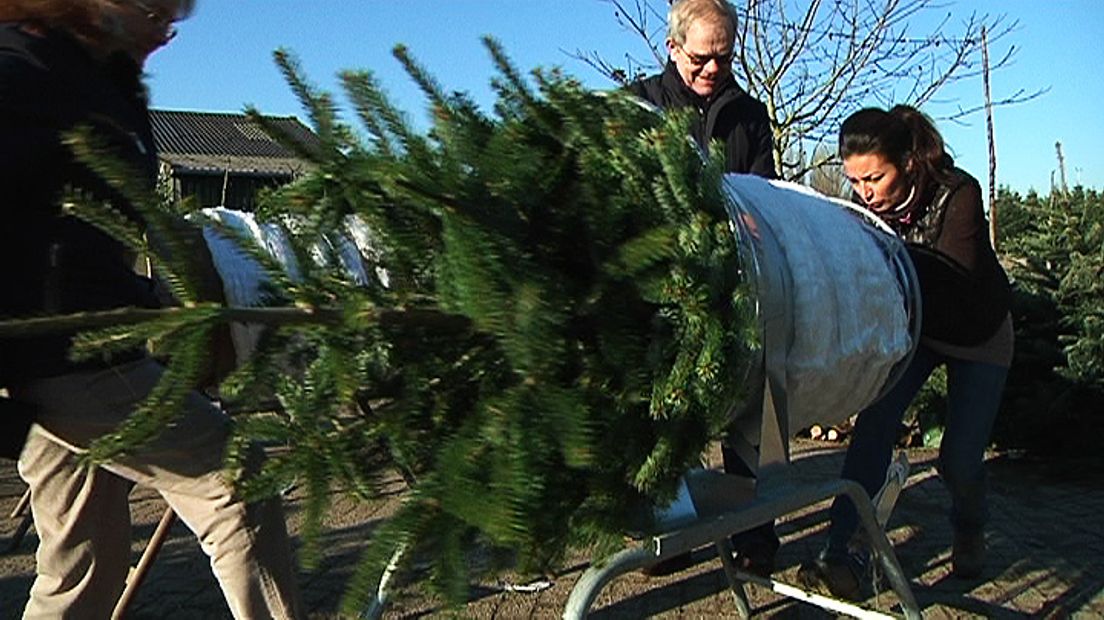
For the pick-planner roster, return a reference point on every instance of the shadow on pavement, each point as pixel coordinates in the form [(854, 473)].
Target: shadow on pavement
[(1046, 556)]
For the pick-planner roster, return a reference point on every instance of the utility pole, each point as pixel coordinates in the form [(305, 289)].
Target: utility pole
[(992, 141)]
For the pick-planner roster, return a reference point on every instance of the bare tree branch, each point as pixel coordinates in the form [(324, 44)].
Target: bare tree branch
[(640, 19), (813, 62)]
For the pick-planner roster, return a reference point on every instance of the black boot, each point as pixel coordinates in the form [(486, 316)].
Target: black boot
[(756, 550), (968, 554)]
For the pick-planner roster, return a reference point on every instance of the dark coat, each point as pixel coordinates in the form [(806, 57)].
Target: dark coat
[(51, 263), (965, 292), (729, 115)]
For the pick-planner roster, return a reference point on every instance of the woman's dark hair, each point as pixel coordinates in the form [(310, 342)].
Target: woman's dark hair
[(903, 135)]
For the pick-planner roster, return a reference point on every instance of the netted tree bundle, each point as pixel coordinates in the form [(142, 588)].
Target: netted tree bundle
[(599, 330), (552, 325)]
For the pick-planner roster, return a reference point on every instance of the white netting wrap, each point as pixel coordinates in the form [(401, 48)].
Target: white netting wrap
[(243, 278), (849, 319)]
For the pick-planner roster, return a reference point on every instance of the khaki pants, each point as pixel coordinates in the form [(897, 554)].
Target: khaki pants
[(83, 517)]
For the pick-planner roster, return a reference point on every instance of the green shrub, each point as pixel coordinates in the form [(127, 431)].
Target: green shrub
[(927, 414), (1054, 249)]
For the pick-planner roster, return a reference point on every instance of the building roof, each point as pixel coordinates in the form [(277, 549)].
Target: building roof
[(217, 142)]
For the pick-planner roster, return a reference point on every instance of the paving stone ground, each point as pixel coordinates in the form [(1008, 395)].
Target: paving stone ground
[(1046, 555)]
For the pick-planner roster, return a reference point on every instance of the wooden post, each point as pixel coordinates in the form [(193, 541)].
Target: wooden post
[(21, 510), (225, 182), (139, 572), (992, 142)]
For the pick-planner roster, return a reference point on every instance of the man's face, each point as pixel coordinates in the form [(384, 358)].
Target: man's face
[(704, 60)]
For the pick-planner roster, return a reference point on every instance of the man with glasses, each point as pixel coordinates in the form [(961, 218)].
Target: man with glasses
[(700, 44), (66, 64)]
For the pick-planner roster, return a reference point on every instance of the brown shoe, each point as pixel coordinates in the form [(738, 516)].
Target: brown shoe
[(839, 577), (968, 554)]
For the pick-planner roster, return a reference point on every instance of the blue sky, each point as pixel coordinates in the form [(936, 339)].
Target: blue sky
[(222, 61)]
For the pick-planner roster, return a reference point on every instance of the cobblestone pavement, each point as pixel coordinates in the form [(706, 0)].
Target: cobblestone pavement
[(1046, 556)]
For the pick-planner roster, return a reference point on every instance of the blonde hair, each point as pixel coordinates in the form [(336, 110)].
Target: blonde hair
[(686, 12), (88, 21)]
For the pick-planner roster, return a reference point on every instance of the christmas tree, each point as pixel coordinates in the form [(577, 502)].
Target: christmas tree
[(557, 328)]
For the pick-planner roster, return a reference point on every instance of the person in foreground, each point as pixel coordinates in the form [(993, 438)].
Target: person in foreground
[(77, 63), (701, 40), (897, 166)]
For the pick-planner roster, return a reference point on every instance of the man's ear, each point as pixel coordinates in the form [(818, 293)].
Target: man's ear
[(671, 45)]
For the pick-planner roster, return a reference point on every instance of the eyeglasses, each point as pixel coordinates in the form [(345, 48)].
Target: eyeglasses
[(157, 13), (700, 60)]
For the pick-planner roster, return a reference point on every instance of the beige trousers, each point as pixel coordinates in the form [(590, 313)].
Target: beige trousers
[(82, 515)]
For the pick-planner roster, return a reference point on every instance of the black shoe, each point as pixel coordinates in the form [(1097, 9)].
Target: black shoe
[(669, 566), (839, 576), (968, 554)]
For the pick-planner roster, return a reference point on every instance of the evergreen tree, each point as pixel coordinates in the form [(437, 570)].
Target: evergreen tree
[(1055, 250), (563, 329)]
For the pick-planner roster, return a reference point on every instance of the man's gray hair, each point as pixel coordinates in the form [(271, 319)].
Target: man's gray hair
[(686, 12)]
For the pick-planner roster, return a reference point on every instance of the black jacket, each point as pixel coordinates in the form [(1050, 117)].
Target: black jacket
[(50, 263), (729, 115)]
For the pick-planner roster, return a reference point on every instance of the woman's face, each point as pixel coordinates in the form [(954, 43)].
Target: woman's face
[(145, 25), (880, 183)]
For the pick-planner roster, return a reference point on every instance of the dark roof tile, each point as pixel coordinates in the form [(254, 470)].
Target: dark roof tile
[(222, 140)]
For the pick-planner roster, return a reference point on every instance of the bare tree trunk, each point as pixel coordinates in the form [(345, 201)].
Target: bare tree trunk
[(812, 63), (1061, 168), (992, 141)]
